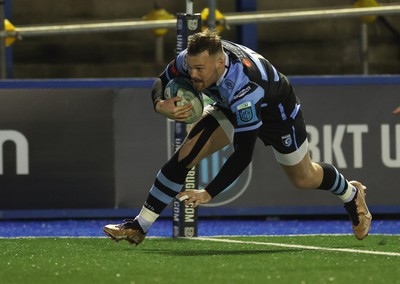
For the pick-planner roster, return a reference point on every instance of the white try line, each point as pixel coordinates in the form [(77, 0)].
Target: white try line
[(298, 246)]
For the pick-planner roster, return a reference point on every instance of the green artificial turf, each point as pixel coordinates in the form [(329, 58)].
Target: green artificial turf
[(296, 259)]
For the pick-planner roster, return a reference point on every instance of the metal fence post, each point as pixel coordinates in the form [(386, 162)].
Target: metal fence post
[(364, 48), (3, 57)]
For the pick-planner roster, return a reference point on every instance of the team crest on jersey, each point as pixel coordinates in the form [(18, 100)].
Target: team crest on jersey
[(287, 140), (245, 112)]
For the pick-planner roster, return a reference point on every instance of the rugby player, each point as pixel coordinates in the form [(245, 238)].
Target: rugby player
[(252, 100)]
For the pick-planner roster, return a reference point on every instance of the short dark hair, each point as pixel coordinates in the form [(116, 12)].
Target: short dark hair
[(206, 40)]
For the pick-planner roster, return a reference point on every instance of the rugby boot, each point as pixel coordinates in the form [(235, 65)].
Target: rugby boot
[(358, 212), (130, 230)]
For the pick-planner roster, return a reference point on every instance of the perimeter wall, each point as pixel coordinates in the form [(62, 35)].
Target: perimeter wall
[(83, 148)]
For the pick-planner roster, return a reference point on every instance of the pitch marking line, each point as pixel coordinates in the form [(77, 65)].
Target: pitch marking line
[(298, 246)]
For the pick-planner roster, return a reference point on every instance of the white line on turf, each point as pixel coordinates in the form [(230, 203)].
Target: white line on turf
[(297, 246)]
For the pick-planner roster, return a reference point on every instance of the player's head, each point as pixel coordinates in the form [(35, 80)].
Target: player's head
[(205, 58)]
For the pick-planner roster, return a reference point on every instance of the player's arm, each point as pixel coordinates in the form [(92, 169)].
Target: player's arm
[(157, 91), (244, 143), (168, 107), (247, 111)]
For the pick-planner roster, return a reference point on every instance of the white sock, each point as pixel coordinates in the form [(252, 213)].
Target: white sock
[(348, 194), (146, 218)]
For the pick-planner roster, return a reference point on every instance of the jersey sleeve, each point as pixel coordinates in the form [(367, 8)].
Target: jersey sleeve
[(246, 107), (175, 68), (244, 143)]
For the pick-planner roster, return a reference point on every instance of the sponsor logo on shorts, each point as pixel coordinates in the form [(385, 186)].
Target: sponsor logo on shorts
[(287, 140)]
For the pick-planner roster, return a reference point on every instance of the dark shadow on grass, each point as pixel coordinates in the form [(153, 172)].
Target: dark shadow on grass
[(178, 251), (173, 252)]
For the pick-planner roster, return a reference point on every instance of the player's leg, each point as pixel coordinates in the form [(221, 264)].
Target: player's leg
[(203, 141), (305, 174), (309, 175), (284, 128), (210, 134)]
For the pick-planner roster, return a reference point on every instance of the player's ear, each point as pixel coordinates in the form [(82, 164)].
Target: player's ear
[(220, 61)]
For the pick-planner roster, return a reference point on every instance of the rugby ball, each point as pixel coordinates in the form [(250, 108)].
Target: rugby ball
[(183, 88)]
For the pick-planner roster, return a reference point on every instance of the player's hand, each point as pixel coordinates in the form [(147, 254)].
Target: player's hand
[(168, 108), (397, 110), (194, 198)]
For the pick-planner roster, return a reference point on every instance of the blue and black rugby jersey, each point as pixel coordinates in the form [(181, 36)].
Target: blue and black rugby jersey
[(245, 86), (251, 93)]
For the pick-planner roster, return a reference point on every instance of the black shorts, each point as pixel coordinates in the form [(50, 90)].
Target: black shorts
[(283, 126), (284, 136)]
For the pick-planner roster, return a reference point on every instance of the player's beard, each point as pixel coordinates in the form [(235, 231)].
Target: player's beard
[(200, 85)]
